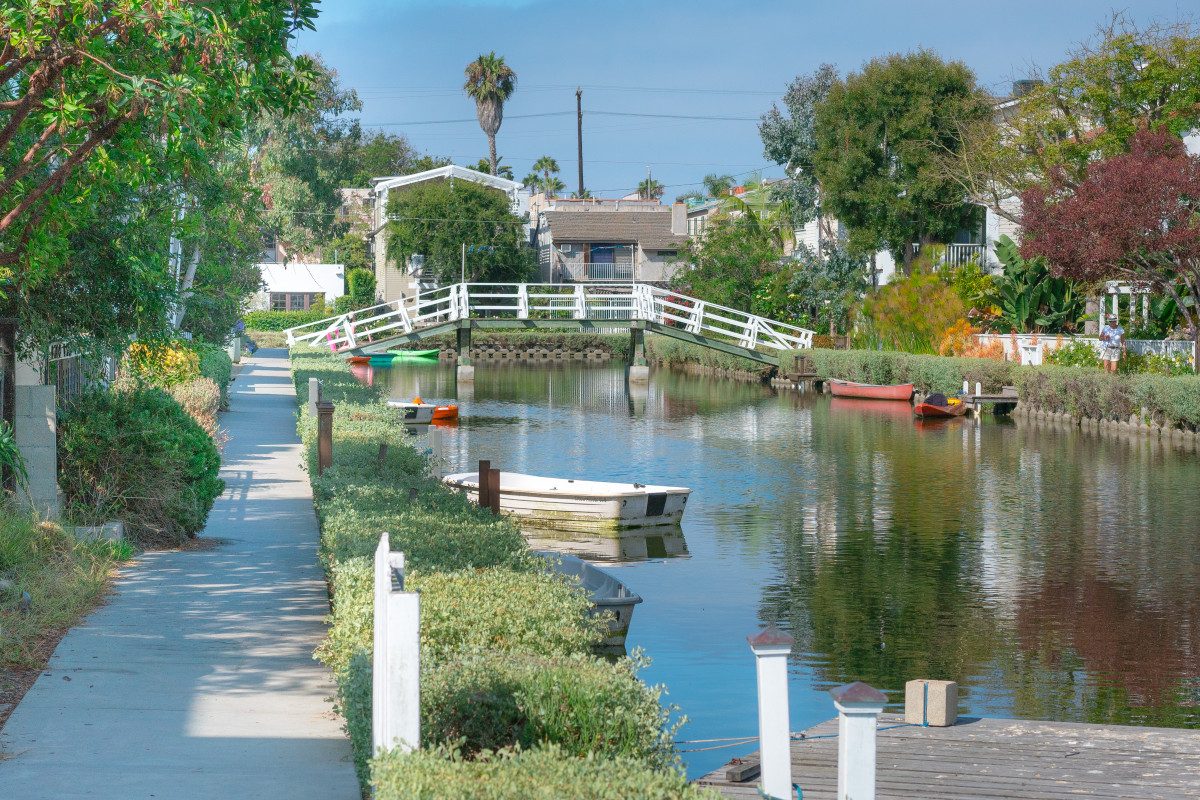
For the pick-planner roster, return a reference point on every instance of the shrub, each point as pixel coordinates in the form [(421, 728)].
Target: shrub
[(1078, 392), (1075, 354), (11, 459), (162, 364), (545, 773), (926, 373), (674, 353), (1154, 364), (910, 314), (282, 320), (201, 399), (267, 338), (1173, 400), (137, 456), (486, 700), (215, 365), (957, 338)]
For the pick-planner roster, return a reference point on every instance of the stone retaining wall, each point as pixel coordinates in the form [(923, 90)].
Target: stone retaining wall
[(1134, 426)]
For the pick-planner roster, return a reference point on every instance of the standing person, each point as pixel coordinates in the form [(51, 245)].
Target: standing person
[(1112, 341)]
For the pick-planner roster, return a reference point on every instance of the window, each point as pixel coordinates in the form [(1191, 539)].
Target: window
[(295, 301), (278, 301)]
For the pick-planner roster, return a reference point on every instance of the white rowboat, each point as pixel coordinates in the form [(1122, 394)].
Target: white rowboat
[(414, 413), (578, 505), (606, 593)]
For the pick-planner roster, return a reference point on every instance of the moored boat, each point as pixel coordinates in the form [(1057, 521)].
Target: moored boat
[(938, 406), (579, 505), (606, 593), (445, 413), (414, 355), (871, 391), (413, 413), (359, 360)]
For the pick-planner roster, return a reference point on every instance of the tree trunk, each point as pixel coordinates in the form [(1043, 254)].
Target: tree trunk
[(908, 259), (492, 152), (8, 382)]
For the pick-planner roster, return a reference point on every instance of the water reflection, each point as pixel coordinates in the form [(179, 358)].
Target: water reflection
[(628, 546), (1054, 574)]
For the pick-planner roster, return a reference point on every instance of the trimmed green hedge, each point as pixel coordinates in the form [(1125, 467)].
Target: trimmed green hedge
[(927, 373), (547, 773), (215, 365), (671, 352), (507, 648), (282, 320)]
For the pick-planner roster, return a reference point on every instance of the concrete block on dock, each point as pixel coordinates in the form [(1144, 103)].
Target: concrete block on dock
[(932, 703)]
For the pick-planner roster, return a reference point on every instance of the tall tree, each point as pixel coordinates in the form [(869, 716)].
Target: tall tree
[(548, 167), (650, 189), (498, 169), (1087, 108), (789, 139), (727, 265), (490, 83), (875, 133), (96, 97), (1134, 216), (718, 185), (437, 218)]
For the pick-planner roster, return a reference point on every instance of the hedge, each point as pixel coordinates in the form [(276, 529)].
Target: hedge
[(282, 320), (215, 365), (926, 373), (507, 648), (547, 773)]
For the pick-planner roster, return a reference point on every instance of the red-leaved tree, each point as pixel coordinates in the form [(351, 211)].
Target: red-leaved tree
[(1135, 217)]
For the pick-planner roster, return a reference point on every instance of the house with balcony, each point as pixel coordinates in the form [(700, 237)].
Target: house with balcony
[(624, 240)]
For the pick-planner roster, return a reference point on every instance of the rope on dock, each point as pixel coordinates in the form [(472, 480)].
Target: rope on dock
[(796, 736)]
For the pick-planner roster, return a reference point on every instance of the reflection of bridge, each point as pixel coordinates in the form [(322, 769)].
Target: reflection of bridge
[(638, 307)]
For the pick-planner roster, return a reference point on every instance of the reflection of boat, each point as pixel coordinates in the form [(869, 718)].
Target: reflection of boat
[(937, 406), (606, 593), (871, 391), (661, 541), (875, 408), (578, 505), (414, 355)]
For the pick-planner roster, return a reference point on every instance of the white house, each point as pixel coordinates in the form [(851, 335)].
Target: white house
[(297, 287), (399, 275), (609, 240)]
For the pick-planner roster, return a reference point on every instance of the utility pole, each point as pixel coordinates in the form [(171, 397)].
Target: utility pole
[(579, 134)]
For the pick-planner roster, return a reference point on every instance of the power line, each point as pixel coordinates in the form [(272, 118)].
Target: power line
[(470, 119), (673, 116), (710, 117)]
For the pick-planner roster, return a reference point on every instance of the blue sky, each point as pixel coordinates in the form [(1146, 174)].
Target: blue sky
[(701, 57)]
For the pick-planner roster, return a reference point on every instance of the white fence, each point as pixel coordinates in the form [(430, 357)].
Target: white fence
[(396, 661), (1032, 348), (547, 301)]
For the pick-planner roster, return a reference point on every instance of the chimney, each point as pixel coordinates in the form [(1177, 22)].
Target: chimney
[(679, 219)]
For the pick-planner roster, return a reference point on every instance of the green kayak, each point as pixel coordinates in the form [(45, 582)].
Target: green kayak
[(411, 355)]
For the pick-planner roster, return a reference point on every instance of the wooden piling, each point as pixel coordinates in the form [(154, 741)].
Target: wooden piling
[(494, 490), (324, 436), (485, 468)]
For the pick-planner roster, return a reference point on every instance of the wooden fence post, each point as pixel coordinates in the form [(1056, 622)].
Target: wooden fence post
[(324, 436), (396, 660), (859, 707), (494, 490), (771, 648), (485, 468)]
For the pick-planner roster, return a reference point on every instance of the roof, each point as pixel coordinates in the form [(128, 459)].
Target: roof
[(308, 278), (444, 173), (651, 229)]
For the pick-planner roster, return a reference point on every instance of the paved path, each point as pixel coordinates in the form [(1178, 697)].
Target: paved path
[(196, 680)]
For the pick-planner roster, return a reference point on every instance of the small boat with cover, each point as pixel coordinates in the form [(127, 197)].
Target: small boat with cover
[(579, 505), (871, 391), (606, 593), (938, 406)]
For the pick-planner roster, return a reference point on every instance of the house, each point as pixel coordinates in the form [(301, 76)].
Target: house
[(299, 287), (400, 274), (609, 240)]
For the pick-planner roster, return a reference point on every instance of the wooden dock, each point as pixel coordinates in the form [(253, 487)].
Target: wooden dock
[(998, 758)]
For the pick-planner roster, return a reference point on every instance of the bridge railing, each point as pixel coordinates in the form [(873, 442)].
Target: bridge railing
[(578, 301)]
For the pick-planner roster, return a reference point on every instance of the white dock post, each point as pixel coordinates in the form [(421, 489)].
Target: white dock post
[(314, 394), (396, 661), (859, 707), (771, 648)]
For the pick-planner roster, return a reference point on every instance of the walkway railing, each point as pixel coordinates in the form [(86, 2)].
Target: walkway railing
[(549, 301)]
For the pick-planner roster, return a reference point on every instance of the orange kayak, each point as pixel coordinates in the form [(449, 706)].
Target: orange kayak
[(359, 359), (870, 391), (930, 411), (445, 412)]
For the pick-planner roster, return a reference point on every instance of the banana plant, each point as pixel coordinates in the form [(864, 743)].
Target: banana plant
[(1031, 300), (10, 456)]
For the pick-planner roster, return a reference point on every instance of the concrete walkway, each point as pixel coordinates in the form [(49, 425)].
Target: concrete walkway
[(196, 680)]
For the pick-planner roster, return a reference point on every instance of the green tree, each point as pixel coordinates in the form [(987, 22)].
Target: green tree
[(790, 141), (548, 167), (499, 170), (98, 97), (718, 185), (382, 154), (349, 249), (650, 189), (728, 263), (436, 219), (875, 136), (490, 83), (1083, 110), (909, 314), (814, 290)]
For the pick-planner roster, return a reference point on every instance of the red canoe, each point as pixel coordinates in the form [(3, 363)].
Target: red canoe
[(871, 391), (930, 411)]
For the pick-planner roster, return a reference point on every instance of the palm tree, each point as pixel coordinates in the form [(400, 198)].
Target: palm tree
[(650, 189), (549, 169), (490, 82), (500, 170), (533, 180), (718, 185)]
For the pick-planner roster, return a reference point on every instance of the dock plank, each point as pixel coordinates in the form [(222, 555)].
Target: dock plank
[(1001, 758)]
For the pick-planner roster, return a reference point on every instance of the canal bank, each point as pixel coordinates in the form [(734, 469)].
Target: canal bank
[(1035, 567)]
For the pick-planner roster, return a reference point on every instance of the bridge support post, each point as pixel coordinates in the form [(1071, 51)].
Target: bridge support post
[(465, 371), (639, 370)]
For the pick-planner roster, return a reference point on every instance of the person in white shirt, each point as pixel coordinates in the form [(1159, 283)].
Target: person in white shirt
[(1112, 344)]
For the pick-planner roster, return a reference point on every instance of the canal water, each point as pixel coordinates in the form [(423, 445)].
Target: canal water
[(1054, 575)]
